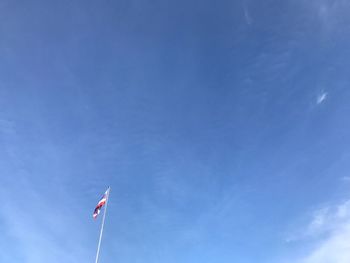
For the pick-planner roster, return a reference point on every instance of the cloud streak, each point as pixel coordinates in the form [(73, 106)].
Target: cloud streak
[(247, 16), (321, 97), (330, 230), (40, 231), (331, 14)]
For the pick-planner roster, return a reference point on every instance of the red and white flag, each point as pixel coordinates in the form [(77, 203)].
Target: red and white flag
[(100, 204)]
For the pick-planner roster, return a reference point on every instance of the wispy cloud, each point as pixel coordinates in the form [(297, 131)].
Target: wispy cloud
[(330, 13), (247, 17), (346, 178), (330, 230), (321, 97), (40, 231)]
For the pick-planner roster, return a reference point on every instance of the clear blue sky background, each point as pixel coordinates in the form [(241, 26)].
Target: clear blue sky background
[(221, 126)]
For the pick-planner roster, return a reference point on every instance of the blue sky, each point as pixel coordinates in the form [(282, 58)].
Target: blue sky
[(221, 127)]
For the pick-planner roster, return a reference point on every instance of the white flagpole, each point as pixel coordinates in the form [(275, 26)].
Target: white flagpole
[(103, 223)]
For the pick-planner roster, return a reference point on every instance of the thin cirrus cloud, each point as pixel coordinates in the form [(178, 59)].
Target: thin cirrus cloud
[(330, 230), (321, 97), (330, 13), (346, 178), (43, 235)]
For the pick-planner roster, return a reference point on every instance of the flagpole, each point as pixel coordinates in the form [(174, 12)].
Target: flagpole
[(103, 223)]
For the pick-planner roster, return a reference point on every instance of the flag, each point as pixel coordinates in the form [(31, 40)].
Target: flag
[(100, 204)]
